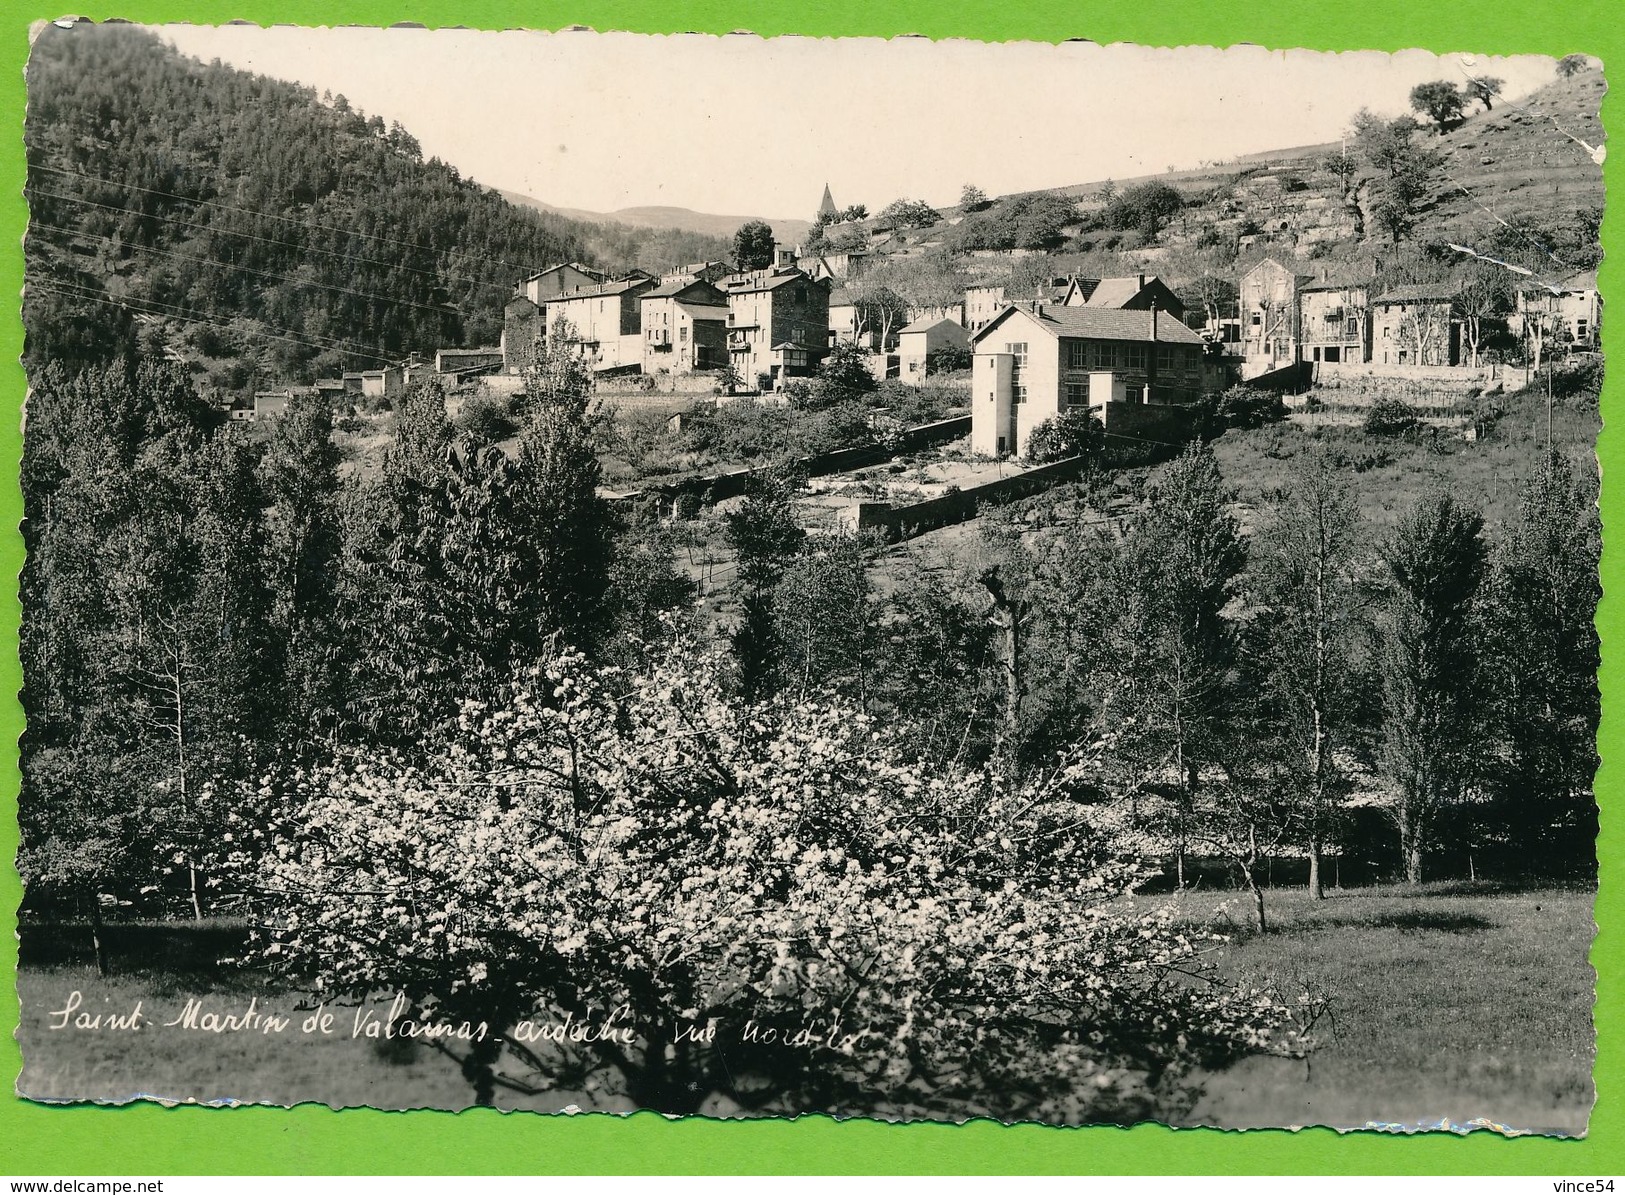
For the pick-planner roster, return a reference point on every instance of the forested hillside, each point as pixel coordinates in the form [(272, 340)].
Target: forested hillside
[(222, 217)]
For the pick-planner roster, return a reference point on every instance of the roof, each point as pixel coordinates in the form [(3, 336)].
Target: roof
[(1350, 284), (1101, 323), (618, 287), (567, 265), (1299, 279), (1419, 292), (485, 352), (1114, 292), (760, 280), (669, 290), (925, 325)]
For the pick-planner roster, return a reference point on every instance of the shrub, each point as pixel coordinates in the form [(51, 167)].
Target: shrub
[(1072, 433), (486, 419), (1389, 417)]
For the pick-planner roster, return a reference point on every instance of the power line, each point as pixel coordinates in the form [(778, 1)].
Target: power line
[(342, 256), (360, 294), (272, 216), (310, 340)]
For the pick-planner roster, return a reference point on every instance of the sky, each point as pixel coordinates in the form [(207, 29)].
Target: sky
[(743, 125)]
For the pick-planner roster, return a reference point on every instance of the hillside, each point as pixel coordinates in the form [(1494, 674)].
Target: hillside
[(256, 230), (679, 219)]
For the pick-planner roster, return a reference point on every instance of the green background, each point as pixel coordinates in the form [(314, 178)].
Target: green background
[(146, 1139)]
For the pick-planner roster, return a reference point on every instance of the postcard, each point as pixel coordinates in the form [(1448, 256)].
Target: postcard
[(744, 577)]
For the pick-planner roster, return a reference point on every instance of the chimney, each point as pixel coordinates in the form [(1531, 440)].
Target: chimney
[(1153, 321), (1038, 307), (1142, 281)]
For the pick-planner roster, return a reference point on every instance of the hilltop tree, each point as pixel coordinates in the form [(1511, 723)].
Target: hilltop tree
[(909, 213), (1572, 64), (1146, 207), (1431, 678), (753, 245), (1439, 101), (972, 198), (1484, 89)]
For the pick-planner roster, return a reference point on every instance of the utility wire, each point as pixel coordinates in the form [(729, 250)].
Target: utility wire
[(95, 178), (311, 340), (226, 265), (341, 255)]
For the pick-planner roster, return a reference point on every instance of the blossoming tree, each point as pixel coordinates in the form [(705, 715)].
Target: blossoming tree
[(643, 890)]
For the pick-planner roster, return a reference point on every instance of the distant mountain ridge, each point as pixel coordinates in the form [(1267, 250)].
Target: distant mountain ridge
[(791, 232)]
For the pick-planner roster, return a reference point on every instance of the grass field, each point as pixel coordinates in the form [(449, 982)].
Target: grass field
[(1448, 1004)]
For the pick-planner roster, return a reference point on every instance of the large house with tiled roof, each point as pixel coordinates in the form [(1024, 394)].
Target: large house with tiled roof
[(685, 326), (1034, 362), (1568, 312), (1416, 324), (778, 325), (605, 321)]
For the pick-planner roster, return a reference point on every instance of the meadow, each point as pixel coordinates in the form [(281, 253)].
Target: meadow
[(1458, 1005)]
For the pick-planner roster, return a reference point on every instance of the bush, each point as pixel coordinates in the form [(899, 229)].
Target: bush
[(485, 420), (1389, 417), (1072, 433), (1243, 407)]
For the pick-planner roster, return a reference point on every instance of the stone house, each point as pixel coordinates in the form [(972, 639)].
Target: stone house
[(558, 280), (1137, 292), (778, 325), (1035, 362), (685, 327), (1268, 301), (1334, 323), (1570, 312), (1416, 325)]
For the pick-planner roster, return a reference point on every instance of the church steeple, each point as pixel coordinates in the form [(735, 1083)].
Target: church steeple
[(827, 208)]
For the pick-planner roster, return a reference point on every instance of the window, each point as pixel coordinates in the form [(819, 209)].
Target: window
[(1077, 354), (1105, 356), (1165, 357), (682, 334), (1077, 394), (1136, 356), (1018, 393)]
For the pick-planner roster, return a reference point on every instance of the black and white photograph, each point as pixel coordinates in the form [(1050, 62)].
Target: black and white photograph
[(744, 577)]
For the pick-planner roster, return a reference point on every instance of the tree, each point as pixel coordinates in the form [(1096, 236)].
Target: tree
[(877, 307), (763, 533), (1572, 64), (825, 620), (753, 245), (856, 212), (1405, 170), (1183, 556), (1431, 680), (1439, 101), (699, 885), (1341, 167), (909, 213), (1310, 626), (972, 198), (1485, 297), (1146, 206), (1075, 432), (1484, 90), (843, 375), (1543, 658), (300, 478)]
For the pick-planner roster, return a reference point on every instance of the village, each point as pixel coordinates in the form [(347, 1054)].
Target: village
[(1000, 361)]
